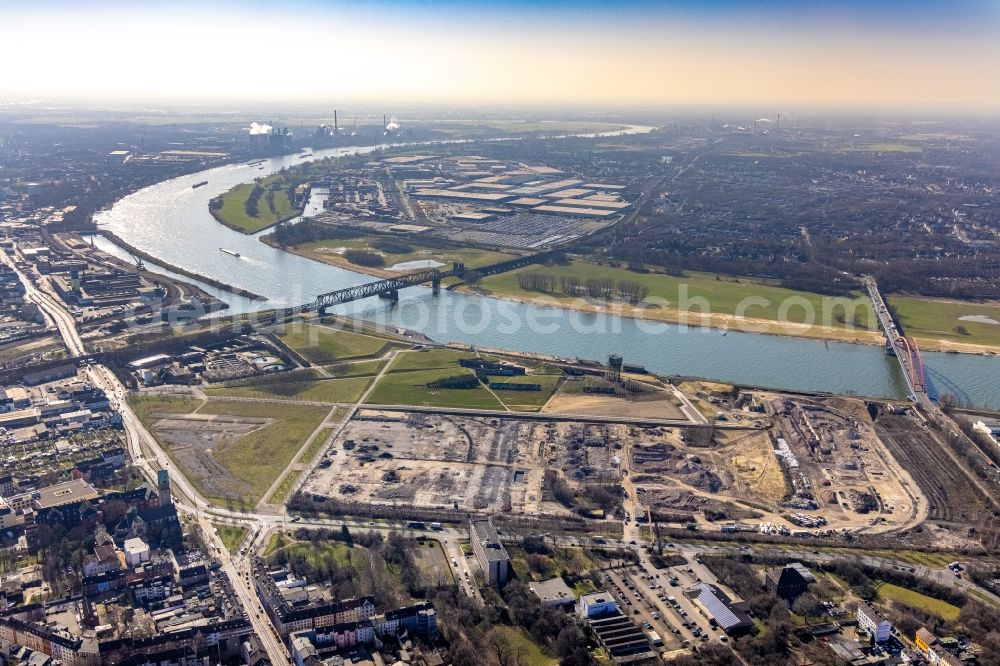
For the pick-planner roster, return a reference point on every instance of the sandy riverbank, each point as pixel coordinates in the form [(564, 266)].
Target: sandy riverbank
[(720, 321)]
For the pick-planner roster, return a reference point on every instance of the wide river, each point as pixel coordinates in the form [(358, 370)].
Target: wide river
[(170, 220)]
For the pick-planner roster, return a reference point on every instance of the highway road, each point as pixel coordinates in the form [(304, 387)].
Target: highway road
[(51, 308)]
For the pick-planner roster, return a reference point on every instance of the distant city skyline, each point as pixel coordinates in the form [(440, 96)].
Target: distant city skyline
[(895, 55)]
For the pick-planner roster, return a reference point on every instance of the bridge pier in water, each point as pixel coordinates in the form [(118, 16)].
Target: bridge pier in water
[(391, 295), (436, 286), (890, 350)]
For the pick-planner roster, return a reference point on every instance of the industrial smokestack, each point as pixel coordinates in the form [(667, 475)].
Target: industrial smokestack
[(385, 122), (777, 123), (335, 122)]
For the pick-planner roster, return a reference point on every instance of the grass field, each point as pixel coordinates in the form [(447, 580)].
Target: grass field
[(286, 485), (694, 294), (323, 346), (405, 383), (256, 458), (429, 359), (348, 389), (884, 148), (942, 609), (522, 401), (461, 130), (530, 654), (270, 210), (232, 536), (259, 457), (933, 322), (145, 406), (328, 251), (356, 368), (409, 388), (318, 443)]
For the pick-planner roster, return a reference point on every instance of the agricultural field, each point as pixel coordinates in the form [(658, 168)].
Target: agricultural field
[(323, 345), (273, 206), (940, 324), (902, 595), (884, 148), (230, 451), (703, 299)]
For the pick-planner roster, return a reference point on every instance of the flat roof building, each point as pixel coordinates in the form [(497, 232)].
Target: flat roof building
[(553, 592), (491, 197), (621, 639), (69, 492), (490, 553), (731, 616), (575, 211), (869, 619), (597, 604)]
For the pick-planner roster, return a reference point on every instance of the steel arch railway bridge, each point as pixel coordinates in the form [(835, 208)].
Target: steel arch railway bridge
[(914, 364), (389, 288)]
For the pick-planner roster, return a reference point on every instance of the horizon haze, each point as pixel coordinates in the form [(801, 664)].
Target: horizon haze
[(897, 56)]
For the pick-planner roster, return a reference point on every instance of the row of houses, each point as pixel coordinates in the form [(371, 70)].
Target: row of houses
[(419, 619), (25, 626), (344, 622), (933, 649)]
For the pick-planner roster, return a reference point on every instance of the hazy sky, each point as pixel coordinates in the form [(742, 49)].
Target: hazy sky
[(841, 53)]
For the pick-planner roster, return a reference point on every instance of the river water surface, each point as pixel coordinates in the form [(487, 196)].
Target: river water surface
[(171, 221)]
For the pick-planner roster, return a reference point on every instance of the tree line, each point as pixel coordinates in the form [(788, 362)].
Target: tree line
[(629, 291)]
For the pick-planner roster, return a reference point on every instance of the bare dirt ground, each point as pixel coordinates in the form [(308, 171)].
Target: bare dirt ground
[(839, 475), (951, 496), (844, 466), (757, 474), (581, 403), (471, 464), (195, 439)]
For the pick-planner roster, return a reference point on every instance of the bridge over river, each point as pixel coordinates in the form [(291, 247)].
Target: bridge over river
[(389, 287), (904, 348)]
